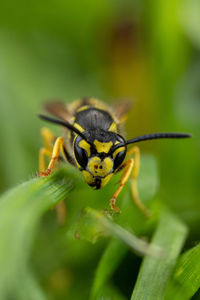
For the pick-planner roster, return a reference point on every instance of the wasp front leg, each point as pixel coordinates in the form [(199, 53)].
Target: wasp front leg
[(134, 189), (53, 152), (57, 148), (127, 166)]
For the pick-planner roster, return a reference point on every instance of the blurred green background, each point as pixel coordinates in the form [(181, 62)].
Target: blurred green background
[(148, 51)]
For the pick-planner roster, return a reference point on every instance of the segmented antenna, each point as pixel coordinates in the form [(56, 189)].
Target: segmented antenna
[(154, 136), (63, 123)]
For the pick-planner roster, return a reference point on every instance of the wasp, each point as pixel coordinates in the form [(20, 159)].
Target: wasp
[(94, 143)]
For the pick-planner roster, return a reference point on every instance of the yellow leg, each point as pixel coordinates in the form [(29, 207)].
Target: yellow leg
[(57, 148), (53, 152), (43, 152), (127, 166), (48, 139), (134, 189)]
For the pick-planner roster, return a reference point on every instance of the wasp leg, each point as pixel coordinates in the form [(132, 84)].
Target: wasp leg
[(134, 189), (127, 166), (43, 152), (48, 140), (57, 148)]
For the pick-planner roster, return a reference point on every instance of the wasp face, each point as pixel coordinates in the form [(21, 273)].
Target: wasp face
[(99, 160)]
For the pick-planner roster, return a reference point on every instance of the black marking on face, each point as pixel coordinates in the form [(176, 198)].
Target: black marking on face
[(119, 159), (96, 184)]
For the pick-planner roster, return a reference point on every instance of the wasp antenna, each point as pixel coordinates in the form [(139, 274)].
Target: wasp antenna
[(163, 135), (63, 123)]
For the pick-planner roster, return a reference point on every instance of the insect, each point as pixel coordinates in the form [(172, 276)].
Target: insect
[(94, 143)]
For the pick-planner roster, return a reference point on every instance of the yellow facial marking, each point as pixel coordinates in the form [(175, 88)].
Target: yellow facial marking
[(91, 179), (105, 180), (117, 151), (88, 177), (113, 127), (78, 127), (103, 147), (100, 168), (83, 144)]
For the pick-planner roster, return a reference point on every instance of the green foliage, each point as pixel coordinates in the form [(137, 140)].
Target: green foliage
[(21, 210), (20, 213), (110, 259), (142, 50), (186, 276), (170, 236)]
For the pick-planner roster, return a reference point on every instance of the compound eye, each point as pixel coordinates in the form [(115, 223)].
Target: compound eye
[(80, 153), (119, 158)]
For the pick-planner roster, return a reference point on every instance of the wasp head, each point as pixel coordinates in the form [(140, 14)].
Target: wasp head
[(100, 156)]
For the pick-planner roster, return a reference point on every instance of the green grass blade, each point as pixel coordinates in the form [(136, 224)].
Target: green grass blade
[(110, 292), (20, 211), (94, 224), (186, 277), (110, 259), (155, 272), (28, 288)]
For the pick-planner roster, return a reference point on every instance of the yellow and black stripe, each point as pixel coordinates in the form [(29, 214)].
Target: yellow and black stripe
[(95, 144)]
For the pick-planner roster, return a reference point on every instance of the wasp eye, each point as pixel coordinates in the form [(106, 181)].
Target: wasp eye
[(80, 153), (119, 158)]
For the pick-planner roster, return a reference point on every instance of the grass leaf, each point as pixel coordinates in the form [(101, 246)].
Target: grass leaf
[(102, 225), (28, 288), (110, 259), (186, 277), (155, 272), (20, 211)]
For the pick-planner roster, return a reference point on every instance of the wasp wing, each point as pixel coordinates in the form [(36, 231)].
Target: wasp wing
[(121, 109), (58, 109)]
